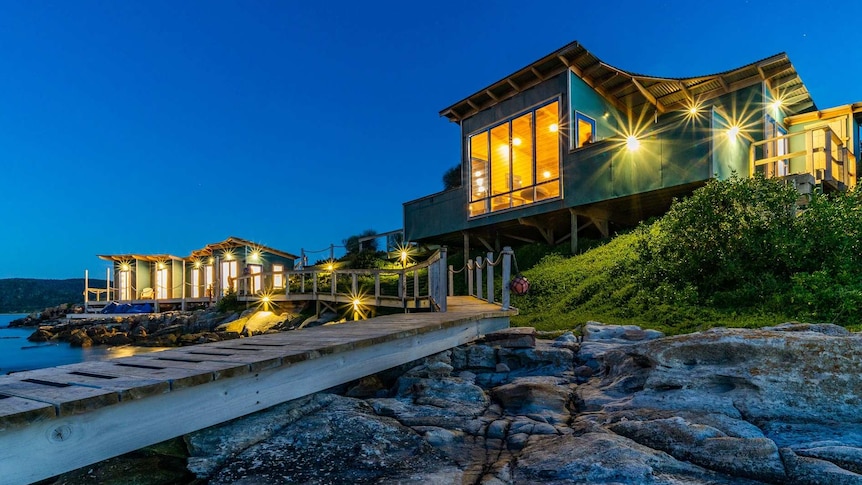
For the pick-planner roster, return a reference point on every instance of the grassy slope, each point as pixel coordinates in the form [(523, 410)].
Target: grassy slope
[(601, 285)]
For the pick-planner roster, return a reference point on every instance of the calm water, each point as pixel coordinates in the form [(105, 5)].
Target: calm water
[(17, 353)]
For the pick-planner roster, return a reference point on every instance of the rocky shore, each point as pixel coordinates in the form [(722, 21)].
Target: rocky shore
[(167, 329), (777, 405)]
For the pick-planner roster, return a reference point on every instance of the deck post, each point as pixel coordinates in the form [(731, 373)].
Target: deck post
[(479, 277), (451, 286), (489, 268), (183, 304), (467, 277), (416, 287), (376, 287), (810, 165), (827, 154), (86, 290), (314, 287), (217, 279), (443, 277), (573, 240), (507, 274), (302, 281), (107, 284), (468, 268), (354, 287), (333, 282)]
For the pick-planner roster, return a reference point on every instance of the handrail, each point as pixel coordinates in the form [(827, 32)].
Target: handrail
[(409, 286), (836, 164), (475, 286)]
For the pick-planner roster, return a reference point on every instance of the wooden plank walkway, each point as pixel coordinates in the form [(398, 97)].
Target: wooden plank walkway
[(62, 418)]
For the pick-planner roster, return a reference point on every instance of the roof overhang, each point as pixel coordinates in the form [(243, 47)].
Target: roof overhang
[(634, 93), (854, 110), (235, 242), (152, 258)]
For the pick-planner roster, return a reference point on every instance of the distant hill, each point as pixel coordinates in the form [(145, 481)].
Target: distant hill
[(25, 295)]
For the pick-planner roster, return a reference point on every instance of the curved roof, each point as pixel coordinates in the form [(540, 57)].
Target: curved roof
[(632, 93)]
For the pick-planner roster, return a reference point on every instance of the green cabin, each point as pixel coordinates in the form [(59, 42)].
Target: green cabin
[(205, 276), (571, 145)]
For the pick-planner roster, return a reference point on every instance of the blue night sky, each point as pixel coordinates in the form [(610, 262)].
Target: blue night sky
[(161, 126)]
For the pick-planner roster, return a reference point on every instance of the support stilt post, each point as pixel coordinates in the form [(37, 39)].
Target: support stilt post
[(507, 274), (86, 290), (574, 238)]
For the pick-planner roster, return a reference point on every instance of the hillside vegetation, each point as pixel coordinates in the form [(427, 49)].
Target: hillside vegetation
[(24, 295), (735, 253)]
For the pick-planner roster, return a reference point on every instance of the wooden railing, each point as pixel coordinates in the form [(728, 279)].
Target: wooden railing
[(480, 276), (828, 160), (423, 282)]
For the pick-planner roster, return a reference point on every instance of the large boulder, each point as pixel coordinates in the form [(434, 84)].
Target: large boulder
[(605, 458), (344, 443), (766, 375), (545, 396)]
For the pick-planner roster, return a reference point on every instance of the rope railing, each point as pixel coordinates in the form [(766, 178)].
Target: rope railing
[(475, 268)]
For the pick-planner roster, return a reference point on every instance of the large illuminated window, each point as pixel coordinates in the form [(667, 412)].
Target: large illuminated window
[(124, 284), (516, 162), (278, 276), (196, 283)]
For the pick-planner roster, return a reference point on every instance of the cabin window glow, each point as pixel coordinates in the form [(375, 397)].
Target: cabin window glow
[(123, 283), (256, 280), (196, 283), (278, 276), (585, 131), (507, 159)]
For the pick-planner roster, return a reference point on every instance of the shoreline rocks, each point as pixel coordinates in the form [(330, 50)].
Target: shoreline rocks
[(167, 329), (725, 406)]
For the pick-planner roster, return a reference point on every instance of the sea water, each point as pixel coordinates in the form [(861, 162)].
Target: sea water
[(17, 353)]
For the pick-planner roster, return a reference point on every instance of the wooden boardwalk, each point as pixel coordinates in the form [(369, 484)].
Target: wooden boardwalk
[(62, 418)]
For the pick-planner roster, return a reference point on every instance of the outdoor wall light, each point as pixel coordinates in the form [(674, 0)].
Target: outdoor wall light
[(732, 132), (632, 143)]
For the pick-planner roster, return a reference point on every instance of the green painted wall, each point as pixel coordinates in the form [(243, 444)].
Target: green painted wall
[(676, 149), (143, 279), (175, 279), (729, 154), (585, 100), (436, 214)]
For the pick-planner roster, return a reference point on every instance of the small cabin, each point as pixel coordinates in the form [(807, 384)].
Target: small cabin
[(203, 277)]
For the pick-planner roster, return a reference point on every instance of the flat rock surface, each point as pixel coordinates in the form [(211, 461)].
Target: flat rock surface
[(625, 406)]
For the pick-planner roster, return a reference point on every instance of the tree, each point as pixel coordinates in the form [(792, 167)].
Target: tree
[(452, 177), (351, 244)]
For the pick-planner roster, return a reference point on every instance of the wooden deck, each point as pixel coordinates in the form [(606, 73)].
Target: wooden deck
[(62, 418)]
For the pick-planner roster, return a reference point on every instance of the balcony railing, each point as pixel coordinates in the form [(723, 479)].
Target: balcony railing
[(825, 156)]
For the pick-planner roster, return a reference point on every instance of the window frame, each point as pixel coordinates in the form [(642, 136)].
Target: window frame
[(278, 276), (578, 117), (196, 282), (489, 195)]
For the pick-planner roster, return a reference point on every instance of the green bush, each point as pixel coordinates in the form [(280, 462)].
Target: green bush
[(735, 253)]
